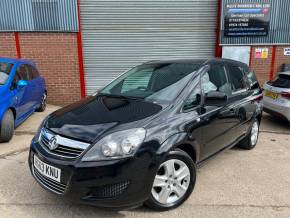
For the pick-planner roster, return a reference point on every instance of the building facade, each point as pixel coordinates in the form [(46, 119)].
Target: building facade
[(81, 45)]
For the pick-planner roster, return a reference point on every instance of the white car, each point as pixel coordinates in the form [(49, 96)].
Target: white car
[(277, 96)]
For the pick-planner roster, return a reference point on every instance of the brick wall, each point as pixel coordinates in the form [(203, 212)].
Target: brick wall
[(7, 45), (57, 60), (56, 57), (280, 58), (261, 66)]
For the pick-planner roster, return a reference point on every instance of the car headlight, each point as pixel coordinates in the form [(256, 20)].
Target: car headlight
[(116, 145), (36, 137)]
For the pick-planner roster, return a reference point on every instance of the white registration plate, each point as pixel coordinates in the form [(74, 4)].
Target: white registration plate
[(46, 170)]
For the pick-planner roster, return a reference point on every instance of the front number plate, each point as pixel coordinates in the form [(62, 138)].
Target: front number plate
[(46, 169)]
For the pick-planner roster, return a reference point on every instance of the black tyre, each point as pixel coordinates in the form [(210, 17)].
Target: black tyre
[(7, 127), (250, 141), (173, 183), (43, 103)]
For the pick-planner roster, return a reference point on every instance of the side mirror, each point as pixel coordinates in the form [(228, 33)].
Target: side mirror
[(215, 98), (22, 83)]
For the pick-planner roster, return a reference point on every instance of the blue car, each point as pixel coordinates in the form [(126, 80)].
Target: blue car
[(22, 91)]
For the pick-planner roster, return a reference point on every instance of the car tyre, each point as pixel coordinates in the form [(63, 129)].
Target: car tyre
[(7, 127), (250, 141), (172, 185), (43, 103)]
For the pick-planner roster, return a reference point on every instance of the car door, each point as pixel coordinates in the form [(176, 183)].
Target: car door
[(25, 99), (20, 93), (35, 86), (240, 102), (216, 121)]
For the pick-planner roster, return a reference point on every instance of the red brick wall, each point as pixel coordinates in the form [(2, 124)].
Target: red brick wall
[(280, 58), (261, 66), (7, 45), (56, 57)]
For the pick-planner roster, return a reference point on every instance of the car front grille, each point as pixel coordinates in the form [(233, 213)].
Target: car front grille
[(56, 187), (109, 191), (65, 147)]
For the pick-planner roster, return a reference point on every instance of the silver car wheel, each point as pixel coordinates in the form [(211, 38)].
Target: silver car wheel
[(254, 133), (171, 181)]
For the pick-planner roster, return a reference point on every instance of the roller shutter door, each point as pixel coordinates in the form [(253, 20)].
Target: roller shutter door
[(122, 33)]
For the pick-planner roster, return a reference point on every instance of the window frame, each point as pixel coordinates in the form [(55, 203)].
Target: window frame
[(188, 95)]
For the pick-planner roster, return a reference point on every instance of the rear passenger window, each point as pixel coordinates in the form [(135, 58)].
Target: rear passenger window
[(33, 72), (236, 78)]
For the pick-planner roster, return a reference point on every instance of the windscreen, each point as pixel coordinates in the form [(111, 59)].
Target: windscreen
[(155, 82)]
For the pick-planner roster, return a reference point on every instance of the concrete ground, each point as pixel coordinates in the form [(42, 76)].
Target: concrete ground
[(236, 183)]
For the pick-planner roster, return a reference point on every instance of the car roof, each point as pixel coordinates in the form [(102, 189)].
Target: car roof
[(16, 60), (199, 61)]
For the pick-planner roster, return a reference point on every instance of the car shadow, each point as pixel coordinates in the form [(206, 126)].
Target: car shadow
[(274, 124)]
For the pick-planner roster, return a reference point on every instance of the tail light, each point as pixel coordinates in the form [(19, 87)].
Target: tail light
[(286, 95)]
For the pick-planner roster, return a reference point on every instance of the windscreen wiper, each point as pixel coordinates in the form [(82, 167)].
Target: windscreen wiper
[(120, 96)]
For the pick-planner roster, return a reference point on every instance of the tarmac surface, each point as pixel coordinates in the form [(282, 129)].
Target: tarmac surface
[(236, 183)]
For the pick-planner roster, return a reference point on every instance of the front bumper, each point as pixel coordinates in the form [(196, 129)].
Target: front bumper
[(113, 184)]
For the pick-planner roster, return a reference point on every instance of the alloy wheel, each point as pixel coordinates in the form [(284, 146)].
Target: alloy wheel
[(171, 182), (44, 100), (254, 133)]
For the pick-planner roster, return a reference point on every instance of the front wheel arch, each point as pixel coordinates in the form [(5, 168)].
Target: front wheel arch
[(182, 142)]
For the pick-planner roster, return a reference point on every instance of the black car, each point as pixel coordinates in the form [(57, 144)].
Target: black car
[(140, 139)]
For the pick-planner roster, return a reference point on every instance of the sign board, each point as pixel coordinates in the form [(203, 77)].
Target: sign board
[(261, 53), (246, 19), (286, 51)]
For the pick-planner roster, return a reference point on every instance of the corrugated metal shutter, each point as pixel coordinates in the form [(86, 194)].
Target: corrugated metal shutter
[(119, 34)]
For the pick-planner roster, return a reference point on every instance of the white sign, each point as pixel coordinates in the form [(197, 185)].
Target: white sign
[(287, 51)]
